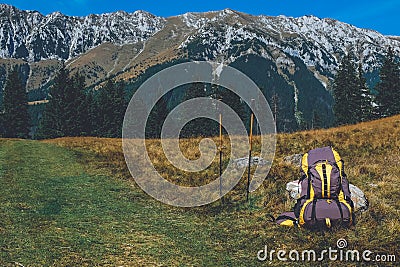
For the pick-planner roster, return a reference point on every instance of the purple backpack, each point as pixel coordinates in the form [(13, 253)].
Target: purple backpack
[(325, 198)]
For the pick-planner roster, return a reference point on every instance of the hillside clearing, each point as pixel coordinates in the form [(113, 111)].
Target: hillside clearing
[(71, 201)]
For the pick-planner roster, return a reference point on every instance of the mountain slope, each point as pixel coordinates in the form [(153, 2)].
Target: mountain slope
[(319, 43), (33, 37), (223, 35), (299, 56)]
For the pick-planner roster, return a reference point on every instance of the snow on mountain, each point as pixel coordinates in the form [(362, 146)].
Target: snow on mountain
[(319, 43), (294, 59), (31, 36), (222, 36)]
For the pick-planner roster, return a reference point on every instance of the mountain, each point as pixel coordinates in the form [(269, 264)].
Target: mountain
[(33, 37), (295, 58), (41, 42)]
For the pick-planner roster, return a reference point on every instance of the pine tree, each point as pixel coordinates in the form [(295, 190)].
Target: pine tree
[(111, 110), (2, 126), (316, 122), (136, 124), (76, 108), (15, 119), (66, 112), (388, 98), (346, 93), (233, 101), (156, 118), (53, 123), (365, 96), (198, 126), (89, 115), (120, 107), (275, 106), (301, 122)]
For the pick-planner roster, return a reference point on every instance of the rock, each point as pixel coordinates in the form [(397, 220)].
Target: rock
[(357, 195), (359, 199), (255, 161), (294, 189), (294, 159)]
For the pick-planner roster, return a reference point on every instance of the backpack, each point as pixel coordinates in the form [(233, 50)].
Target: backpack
[(325, 200)]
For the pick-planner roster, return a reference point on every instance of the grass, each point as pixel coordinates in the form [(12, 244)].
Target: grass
[(68, 215), (72, 202)]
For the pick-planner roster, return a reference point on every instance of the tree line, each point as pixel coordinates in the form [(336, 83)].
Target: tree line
[(74, 110), (200, 126), (353, 100)]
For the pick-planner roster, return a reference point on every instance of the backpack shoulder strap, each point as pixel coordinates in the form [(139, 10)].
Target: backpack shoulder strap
[(336, 155), (338, 161), (344, 195), (344, 184), (304, 165), (305, 168)]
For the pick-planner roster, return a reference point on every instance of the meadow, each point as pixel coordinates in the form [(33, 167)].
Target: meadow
[(72, 202)]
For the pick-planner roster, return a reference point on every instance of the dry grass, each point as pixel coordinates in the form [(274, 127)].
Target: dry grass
[(371, 154)]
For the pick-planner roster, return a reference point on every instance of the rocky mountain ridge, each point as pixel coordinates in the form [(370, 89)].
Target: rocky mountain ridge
[(292, 58), (33, 37), (126, 44)]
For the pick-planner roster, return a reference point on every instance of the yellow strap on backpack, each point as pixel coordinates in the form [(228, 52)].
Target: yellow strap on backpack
[(328, 222), (304, 164), (289, 223)]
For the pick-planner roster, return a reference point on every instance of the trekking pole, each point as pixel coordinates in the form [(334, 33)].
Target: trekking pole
[(251, 146), (220, 157)]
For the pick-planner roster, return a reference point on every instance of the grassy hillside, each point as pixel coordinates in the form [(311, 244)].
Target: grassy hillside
[(71, 201)]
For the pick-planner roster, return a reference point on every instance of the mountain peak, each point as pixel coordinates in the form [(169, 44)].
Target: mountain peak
[(56, 14), (6, 6), (224, 35), (228, 11), (34, 37), (143, 12)]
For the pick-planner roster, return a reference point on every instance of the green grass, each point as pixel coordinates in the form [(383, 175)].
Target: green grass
[(57, 211), (71, 202)]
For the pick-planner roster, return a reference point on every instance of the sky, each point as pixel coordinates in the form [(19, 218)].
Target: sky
[(382, 16)]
